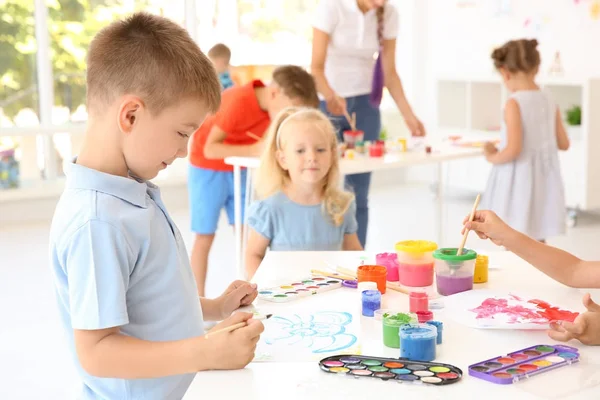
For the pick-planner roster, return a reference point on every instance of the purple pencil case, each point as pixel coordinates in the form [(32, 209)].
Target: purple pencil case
[(525, 363)]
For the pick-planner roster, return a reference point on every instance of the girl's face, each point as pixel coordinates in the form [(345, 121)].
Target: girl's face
[(306, 152)]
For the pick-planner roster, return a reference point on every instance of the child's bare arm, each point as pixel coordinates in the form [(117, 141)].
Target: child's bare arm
[(514, 135), (108, 353), (351, 242), (256, 248), (216, 149), (557, 264), (562, 139)]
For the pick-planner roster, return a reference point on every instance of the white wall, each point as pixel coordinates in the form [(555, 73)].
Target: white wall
[(454, 38), (459, 41)]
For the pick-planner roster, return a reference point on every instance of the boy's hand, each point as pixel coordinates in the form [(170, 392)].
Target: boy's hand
[(238, 294), (487, 225), (585, 328), (235, 349)]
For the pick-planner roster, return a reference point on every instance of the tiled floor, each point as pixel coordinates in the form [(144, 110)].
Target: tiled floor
[(34, 363)]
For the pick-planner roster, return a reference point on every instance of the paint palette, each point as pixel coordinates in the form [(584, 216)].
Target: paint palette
[(522, 364), (392, 369), (299, 289)]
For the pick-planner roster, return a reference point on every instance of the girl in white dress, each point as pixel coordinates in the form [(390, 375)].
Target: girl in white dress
[(525, 187)]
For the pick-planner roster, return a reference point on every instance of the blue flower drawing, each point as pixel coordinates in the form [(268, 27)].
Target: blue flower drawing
[(321, 332)]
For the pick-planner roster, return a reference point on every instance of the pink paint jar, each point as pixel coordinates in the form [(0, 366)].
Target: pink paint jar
[(418, 301), (415, 262), (424, 316), (390, 262)]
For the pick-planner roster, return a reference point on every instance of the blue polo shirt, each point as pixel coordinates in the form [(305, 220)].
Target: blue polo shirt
[(119, 260)]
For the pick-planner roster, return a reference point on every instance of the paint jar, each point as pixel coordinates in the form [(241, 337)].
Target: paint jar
[(402, 143), (415, 262), (351, 137), (376, 150), (481, 269), (359, 146), (390, 262), (371, 301), (454, 273), (417, 342), (440, 327), (350, 154), (391, 326), (373, 273), (424, 316), (418, 301)]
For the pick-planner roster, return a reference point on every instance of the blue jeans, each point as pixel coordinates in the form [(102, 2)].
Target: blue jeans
[(368, 120)]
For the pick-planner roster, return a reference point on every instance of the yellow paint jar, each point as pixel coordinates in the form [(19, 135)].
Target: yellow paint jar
[(481, 269)]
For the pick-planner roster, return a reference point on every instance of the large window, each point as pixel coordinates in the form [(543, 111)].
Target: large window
[(259, 32)]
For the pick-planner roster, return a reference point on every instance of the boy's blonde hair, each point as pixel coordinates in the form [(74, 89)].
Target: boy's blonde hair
[(220, 50), (271, 178), (153, 58)]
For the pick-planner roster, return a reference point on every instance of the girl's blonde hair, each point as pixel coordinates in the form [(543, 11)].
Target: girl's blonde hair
[(271, 178)]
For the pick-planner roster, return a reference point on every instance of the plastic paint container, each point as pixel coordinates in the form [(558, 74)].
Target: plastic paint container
[(415, 262), (418, 301), (454, 273), (424, 316), (440, 327), (351, 137), (371, 301), (373, 273), (417, 342), (391, 326), (390, 262), (481, 269)]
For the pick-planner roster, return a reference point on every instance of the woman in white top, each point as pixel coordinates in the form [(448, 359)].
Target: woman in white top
[(525, 187), (347, 34)]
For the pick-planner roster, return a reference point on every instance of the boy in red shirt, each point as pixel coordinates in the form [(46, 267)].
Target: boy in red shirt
[(244, 114)]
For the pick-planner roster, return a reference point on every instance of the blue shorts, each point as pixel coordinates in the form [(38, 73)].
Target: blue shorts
[(210, 191)]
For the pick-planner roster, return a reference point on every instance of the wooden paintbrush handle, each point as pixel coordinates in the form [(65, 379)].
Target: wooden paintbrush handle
[(464, 239)]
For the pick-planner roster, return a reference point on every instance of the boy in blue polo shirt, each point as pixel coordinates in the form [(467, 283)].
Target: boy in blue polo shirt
[(126, 293)]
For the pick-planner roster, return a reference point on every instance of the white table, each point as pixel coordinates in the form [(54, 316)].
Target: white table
[(462, 346), (360, 164)]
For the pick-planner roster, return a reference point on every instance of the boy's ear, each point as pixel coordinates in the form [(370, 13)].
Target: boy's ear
[(129, 113), (281, 159)]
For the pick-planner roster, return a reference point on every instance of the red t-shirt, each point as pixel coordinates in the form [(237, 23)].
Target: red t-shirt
[(239, 113)]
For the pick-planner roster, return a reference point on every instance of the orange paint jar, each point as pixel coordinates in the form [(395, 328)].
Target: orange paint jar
[(373, 273)]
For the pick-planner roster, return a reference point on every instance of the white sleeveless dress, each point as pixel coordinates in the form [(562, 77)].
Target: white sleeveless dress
[(528, 192)]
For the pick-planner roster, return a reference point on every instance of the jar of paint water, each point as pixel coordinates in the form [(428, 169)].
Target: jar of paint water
[(481, 269), (373, 273), (418, 301), (390, 262), (351, 137), (371, 301), (418, 341), (391, 326), (415, 262), (454, 273)]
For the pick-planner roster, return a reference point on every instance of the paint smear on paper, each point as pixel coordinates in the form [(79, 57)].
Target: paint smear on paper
[(516, 310)]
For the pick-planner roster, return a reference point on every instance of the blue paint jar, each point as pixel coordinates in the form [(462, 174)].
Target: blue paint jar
[(371, 302), (417, 342), (440, 327)]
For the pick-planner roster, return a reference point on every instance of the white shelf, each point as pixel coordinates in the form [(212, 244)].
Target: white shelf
[(471, 106)]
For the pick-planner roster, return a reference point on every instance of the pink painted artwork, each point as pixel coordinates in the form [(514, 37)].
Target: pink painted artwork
[(487, 309), (515, 310)]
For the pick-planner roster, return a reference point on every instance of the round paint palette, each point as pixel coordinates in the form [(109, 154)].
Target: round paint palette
[(392, 369), (298, 289), (525, 363)]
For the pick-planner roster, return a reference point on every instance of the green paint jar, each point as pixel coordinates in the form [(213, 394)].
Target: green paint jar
[(391, 327)]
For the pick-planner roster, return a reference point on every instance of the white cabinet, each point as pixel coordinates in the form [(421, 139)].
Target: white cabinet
[(472, 107)]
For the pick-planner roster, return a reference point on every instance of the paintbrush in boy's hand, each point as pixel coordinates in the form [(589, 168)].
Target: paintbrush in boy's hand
[(237, 326)]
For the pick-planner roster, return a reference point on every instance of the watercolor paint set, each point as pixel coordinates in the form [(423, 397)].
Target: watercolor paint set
[(392, 369), (302, 288), (525, 363)]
